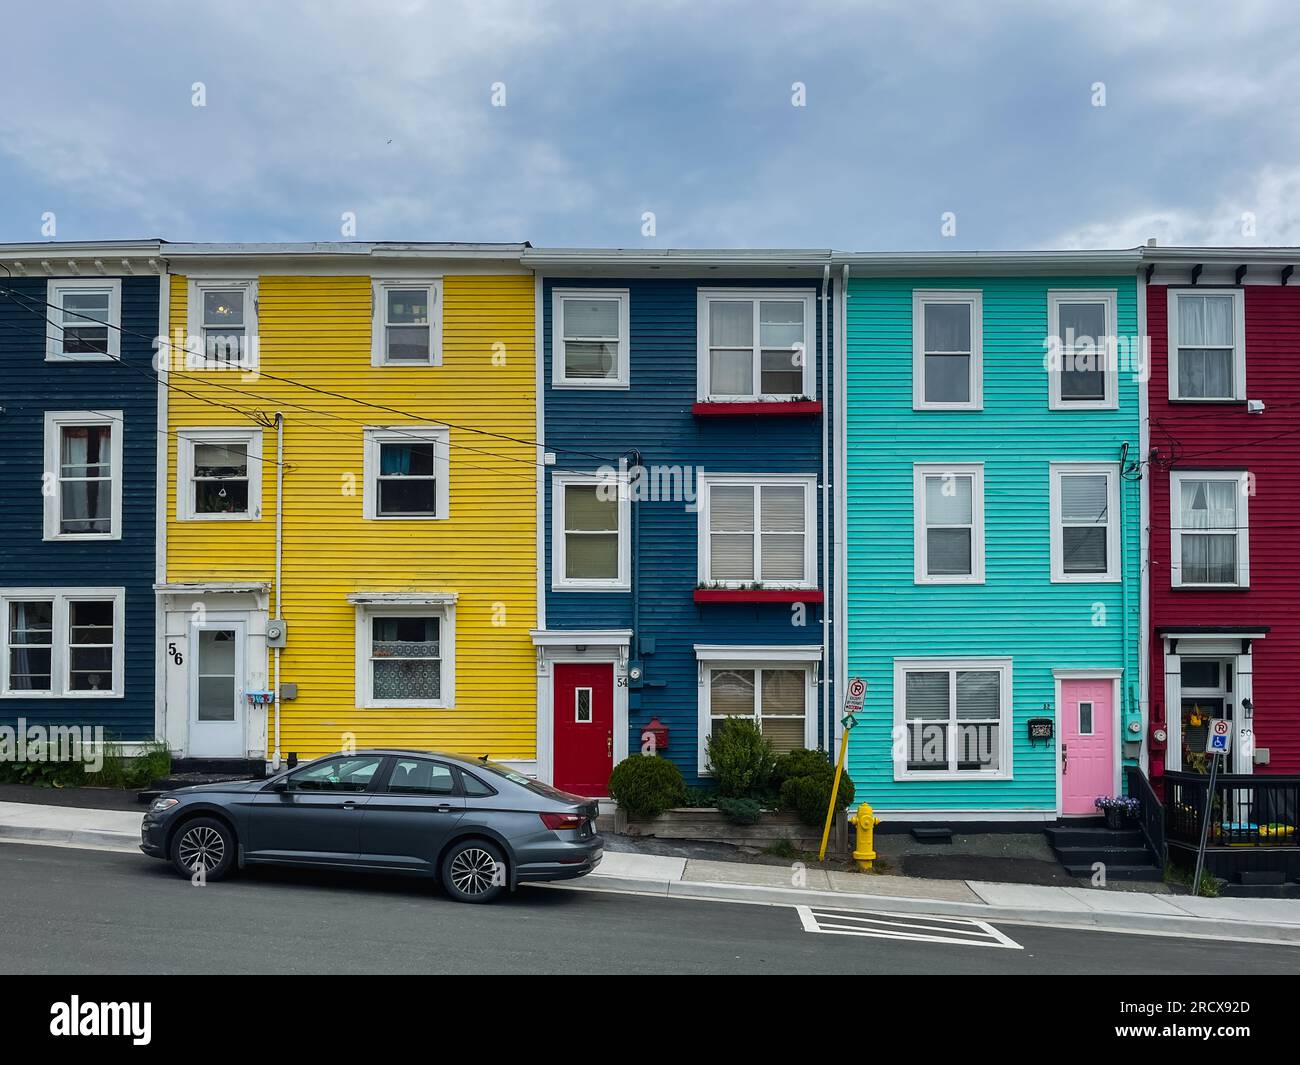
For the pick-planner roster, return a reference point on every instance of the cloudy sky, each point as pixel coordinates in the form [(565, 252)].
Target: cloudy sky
[(685, 109)]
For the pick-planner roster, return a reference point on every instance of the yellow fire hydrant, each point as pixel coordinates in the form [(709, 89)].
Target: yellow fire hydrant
[(864, 823)]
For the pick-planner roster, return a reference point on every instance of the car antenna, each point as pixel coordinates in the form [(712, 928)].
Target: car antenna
[(483, 758)]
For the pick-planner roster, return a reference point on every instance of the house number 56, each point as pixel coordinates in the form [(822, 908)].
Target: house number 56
[(177, 657)]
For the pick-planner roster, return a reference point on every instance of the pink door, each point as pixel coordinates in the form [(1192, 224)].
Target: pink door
[(1087, 744)]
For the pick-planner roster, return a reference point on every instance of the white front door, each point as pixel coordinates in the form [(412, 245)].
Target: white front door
[(217, 703)]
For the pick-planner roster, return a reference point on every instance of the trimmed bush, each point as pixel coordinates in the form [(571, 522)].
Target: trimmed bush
[(801, 762), (647, 785), (740, 759), (741, 811), (810, 795)]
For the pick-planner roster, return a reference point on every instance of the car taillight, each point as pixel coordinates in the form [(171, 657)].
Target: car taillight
[(563, 821)]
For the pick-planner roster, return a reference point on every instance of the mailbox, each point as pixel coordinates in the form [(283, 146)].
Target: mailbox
[(654, 737), (1040, 728)]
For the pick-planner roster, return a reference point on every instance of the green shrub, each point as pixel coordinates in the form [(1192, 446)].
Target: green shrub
[(647, 785), (801, 762), (39, 772), (809, 796), (119, 771), (741, 811), (740, 759)]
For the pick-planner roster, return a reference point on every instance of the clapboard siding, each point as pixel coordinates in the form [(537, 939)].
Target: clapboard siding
[(1201, 436), (1017, 613), (654, 417), (31, 387), (317, 330)]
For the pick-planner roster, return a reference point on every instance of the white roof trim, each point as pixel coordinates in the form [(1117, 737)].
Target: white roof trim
[(1218, 637), (403, 598), (199, 587), (586, 637), (713, 652)]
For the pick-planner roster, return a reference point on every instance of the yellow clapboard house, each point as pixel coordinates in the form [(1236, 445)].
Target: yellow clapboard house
[(351, 500)]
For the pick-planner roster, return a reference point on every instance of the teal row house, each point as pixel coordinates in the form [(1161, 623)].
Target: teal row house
[(992, 496)]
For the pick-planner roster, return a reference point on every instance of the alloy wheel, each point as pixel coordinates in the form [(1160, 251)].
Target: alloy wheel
[(473, 871), (202, 847)]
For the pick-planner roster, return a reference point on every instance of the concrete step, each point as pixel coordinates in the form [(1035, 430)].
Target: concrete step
[(1075, 836), (1109, 855), (937, 834)]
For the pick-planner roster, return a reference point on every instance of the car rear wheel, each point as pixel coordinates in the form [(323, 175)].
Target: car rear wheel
[(203, 847), (474, 870)]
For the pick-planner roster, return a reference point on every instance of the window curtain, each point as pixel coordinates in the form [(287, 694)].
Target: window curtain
[(1205, 346), (1209, 504)]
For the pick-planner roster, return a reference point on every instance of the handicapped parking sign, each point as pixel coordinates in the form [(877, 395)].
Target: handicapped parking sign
[(1219, 739)]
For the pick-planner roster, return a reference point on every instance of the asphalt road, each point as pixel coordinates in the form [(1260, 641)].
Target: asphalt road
[(84, 911)]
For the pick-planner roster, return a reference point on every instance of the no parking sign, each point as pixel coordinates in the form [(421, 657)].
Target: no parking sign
[(1219, 740)]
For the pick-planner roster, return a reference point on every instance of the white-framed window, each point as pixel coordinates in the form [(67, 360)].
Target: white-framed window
[(1207, 344), (953, 718), (83, 475), (62, 643), (218, 474), (406, 654), (775, 687), (85, 319), (406, 322), (1210, 528), (1085, 522), (1081, 327), (222, 316), (755, 345), (758, 530), (948, 516), (591, 540), (590, 330), (947, 349), (406, 472)]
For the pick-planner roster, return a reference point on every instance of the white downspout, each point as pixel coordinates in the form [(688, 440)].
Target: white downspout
[(1145, 681), (841, 490), (279, 555), (828, 680)]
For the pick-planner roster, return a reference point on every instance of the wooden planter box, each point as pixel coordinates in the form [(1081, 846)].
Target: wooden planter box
[(709, 825)]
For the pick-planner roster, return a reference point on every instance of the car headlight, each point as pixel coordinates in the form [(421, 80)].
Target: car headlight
[(165, 803)]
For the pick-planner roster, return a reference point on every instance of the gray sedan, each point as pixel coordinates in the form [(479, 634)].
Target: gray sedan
[(479, 828)]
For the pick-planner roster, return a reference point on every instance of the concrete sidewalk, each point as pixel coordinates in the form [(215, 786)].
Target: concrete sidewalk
[(1263, 920)]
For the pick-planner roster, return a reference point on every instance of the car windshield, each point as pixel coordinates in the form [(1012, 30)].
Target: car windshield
[(515, 777)]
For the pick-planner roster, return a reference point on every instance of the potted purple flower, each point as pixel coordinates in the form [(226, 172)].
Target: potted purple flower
[(1117, 809)]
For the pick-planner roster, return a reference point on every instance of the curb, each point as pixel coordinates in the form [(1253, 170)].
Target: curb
[(129, 841), (1131, 923)]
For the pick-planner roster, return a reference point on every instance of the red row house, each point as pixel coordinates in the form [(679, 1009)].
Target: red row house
[(1224, 521)]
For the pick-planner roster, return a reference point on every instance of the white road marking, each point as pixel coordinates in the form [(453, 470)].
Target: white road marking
[(916, 928)]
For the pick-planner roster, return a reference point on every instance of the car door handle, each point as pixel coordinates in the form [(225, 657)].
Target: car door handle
[(349, 805), (443, 809)]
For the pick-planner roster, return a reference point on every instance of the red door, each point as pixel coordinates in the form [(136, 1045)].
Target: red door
[(584, 727)]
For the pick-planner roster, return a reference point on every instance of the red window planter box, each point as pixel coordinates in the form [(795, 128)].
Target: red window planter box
[(758, 595), (779, 410)]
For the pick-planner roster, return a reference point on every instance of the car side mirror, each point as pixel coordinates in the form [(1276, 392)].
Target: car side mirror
[(280, 785)]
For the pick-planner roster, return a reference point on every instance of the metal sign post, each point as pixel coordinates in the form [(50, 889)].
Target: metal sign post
[(1217, 743), (853, 700)]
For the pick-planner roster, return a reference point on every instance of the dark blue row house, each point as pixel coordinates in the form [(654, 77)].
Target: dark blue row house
[(683, 504), (79, 441)]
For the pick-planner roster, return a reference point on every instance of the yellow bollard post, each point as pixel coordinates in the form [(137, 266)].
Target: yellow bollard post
[(864, 822), (835, 790)]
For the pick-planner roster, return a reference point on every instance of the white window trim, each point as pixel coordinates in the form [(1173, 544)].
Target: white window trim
[(772, 658), (55, 421), (922, 470), (443, 609), (622, 378), (1113, 533), (705, 486), (196, 357), (1240, 478), (60, 657), (1108, 349), (1006, 724), (1238, 337), (705, 295), (54, 289), (186, 439), (561, 583), (379, 319), (375, 435), (973, 297)]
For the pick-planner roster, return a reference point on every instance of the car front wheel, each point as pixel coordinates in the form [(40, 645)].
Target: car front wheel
[(474, 871), (203, 848)]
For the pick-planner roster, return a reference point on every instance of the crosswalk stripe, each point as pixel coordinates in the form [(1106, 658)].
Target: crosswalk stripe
[(964, 931)]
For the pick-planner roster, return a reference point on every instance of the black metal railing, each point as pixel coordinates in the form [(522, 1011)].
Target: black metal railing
[(1245, 810), (1151, 818)]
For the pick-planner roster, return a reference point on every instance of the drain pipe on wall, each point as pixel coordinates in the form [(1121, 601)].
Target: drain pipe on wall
[(827, 686), (279, 556)]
